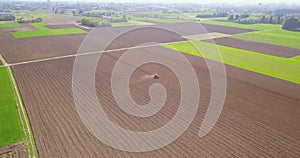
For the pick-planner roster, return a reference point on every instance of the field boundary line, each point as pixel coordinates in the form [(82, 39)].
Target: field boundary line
[(30, 144)]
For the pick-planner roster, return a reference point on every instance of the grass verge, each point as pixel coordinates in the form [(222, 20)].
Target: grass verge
[(10, 123), (13, 118)]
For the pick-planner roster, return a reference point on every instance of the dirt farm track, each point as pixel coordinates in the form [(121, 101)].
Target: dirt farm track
[(261, 116)]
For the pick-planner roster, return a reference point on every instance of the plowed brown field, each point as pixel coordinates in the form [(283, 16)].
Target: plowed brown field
[(261, 117), (20, 50), (257, 121)]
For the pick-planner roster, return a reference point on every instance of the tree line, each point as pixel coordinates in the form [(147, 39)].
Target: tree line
[(95, 22), (246, 19), (212, 15)]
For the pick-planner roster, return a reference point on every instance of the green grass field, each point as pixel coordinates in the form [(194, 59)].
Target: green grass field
[(160, 20), (276, 37), (296, 58), (242, 26), (9, 25), (44, 31), (10, 125), (282, 68)]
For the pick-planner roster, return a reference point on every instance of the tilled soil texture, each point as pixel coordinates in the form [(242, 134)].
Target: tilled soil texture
[(191, 28), (17, 150), (259, 118), (20, 50), (27, 49), (269, 49)]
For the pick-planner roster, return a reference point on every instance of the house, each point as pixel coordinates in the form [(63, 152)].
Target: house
[(5, 12)]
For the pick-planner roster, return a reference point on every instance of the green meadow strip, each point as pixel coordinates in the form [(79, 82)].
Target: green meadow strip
[(257, 27), (10, 124), (282, 68), (276, 37), (14, 122), (9, 25)]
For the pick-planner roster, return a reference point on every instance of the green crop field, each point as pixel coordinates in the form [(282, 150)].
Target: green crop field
[(10, 125), (9, 25), (242, 26), (282, 68), (276, 37), (39, 26), (160, 20), (44, 31)]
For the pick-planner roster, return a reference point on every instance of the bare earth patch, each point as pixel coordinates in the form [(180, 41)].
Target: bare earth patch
[(14, 150)]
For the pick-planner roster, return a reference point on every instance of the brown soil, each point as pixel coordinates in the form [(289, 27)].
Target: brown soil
[(257, 121), (261, 117), (196, 28), (17, 150), (18, 50), (269, 49)]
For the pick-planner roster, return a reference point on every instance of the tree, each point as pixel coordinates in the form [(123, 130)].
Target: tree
[(263, 19), (95, 22), (244, 16), (291, 24), (271, 20), (230, 18)]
